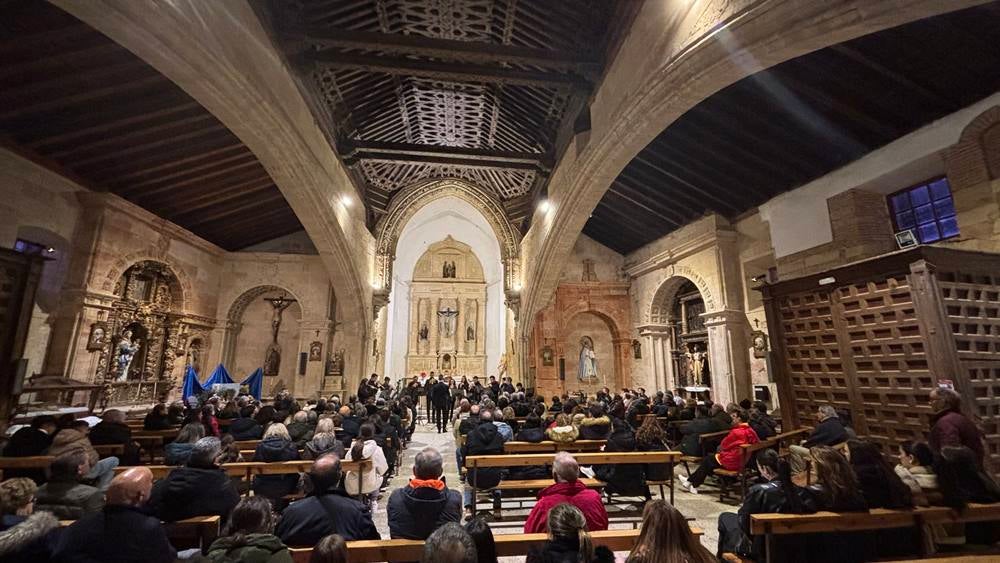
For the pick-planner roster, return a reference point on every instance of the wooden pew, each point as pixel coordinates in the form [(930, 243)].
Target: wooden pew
[(770, 525), (586, 458), (205, 528), (784, 439), (747, 452), (32, 462), (550, 446), (108, 450), (507, 545), (704, 440)]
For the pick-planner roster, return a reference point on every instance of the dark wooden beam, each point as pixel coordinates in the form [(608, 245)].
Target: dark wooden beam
[(49, 164), (133, 137), (707, 194), (662, 207), (207, 198), (407, 152), (452, 72), (209, 130), (81, 97), (448, 49), (237, 206), (75, 131), (199, 172), (262, 220), (226, 174), (175, 160)]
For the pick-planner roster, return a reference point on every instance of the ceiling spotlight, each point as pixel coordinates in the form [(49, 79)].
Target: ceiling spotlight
[(346, 200), (544, 206), (50, 250)]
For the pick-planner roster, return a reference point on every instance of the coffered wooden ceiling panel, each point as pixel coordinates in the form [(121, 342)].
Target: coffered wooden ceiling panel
[(75, 101), (788, 125), (485, 90)]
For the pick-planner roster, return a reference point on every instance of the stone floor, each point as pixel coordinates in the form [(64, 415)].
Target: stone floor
[(704, 508)]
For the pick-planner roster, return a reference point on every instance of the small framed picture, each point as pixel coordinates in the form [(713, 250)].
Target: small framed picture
[(98, 336), (548, 358), (906, 239), (315, 351)]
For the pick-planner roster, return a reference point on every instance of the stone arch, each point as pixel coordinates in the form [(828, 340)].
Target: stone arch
[(239, 305), (620, 342), (661, 305), (409, 200), (617, 331), (975, 158), (122, 265)]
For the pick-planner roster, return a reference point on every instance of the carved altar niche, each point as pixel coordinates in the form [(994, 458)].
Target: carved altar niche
[(447, 327), (137, 361)]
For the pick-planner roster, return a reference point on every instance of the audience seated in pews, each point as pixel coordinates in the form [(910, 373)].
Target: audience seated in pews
[(64, 495), (829, 431), (762, 423), (32, 440), (324, 441), (426, 502), (326, 510), (567, 489), (482, 536), (950, 427), (624, 479), (776, 494), (330, 549), (122, 531), (729, 455), (484, 439), (692, 431), (246, 426), (916, 469), (505, 430), (156, 418), (650, 437), (74, 438), (210, 421), (299, 430), (449, 544), (276, 446), (230, 451), (112, 430), (961, 480), (248, 536), (879, 484), (351, 424), (562, 431), (231, 410), (175, 413), (568, 541), (531, 430), (596, 425), (199, 488), (722, 417), (666, 537), (836, 488), (365, 447), (178, 451), (25, 534)]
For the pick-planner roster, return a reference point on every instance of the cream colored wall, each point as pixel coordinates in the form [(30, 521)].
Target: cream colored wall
[(608, 264), (255, 337)]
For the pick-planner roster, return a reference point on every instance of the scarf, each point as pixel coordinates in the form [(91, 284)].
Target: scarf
[(432, 483)]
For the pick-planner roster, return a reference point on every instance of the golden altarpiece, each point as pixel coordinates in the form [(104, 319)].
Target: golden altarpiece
[(447, 322)]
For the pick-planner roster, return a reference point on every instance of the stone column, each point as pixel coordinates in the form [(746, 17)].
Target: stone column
[(657, 349), (727, 353)]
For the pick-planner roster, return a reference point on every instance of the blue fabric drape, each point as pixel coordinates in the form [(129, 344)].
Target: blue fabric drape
[(191, 387), (220, 375), (255, 383)]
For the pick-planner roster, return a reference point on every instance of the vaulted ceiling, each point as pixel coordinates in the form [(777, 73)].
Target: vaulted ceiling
[(485, 90), (80, 104), (788, 125)]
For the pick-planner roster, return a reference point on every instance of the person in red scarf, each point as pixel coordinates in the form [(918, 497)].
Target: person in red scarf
[(425, 503), (728, 456), (568, 489)]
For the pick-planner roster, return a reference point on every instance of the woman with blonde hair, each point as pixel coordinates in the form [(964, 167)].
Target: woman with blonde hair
[(277, 445), (665, 537), (569, 541)]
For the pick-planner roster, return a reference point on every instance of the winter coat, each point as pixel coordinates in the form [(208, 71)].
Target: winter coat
[(68, 499), (154, 421), (27, 540), (506, 432), (655, 471), (534, 435), (245, 429), (27, 442), (595, 428), (68, 440), (562, 434), (275, 486), (117, 534), (763, 425), (414, 513), (622, 479), (371, 479), (877, 489), (254, 548), (921, 480), (193, 491), (722, 421), (110, 433), (951, 428), (311, 451), (730, 452), (576, 493), (768, 498), (829, 432), (566, 551), (484, 439), (177, 453), (300, 432), (308, 520), (691, 435)]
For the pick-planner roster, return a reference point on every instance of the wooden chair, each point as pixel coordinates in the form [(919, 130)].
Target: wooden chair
[(746, 470)]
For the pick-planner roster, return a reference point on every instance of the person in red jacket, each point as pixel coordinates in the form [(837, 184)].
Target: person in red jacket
[(568, 489), (729, 452)]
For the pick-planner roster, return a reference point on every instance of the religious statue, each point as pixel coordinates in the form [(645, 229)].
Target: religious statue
[(336, 364), (759, 344), (272, 358), (588, 360), (448, 270), (446, 361), (126, 351), (446, 322), (636, 349), (589, 274), (470, 332), (422, 334)]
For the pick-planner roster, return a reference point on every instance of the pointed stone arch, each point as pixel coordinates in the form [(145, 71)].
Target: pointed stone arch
[(410, 200)]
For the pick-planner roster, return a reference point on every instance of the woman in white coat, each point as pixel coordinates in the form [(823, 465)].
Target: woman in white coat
[(365, 447)]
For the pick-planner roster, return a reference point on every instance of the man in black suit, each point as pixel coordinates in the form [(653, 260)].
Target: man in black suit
[(113, 430), (32, 440), (439, 399)]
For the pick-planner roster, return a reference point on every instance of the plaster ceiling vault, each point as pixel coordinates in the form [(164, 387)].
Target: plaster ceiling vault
[(785, 126), (487, 91), (78, 103)]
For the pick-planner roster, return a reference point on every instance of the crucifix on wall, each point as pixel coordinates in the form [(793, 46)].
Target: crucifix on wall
[(272, 358), (446, 321)]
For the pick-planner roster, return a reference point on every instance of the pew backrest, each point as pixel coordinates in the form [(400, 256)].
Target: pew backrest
[(584, 458)]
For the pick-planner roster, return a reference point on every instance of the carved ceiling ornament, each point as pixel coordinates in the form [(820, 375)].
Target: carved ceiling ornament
[(393, 176), (461, 20), (412, 199)]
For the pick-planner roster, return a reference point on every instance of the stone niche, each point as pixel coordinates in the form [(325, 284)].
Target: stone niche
[(447, 326)]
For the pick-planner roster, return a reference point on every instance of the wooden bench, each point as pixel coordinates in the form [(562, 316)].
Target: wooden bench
[(108, 450), (745, 471), (770, 525), (550, 446), (507, 545), (785, 439), (205, 528), (30, 462), (584, 459), (704, 441)]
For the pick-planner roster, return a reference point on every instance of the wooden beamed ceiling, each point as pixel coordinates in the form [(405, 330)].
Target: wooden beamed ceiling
[(788, 125), (75, 101), (483, 90)]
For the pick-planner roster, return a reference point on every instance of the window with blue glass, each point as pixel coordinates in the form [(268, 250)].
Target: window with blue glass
[(927, 209)]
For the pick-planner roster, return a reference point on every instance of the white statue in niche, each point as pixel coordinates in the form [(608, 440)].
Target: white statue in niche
[(446, 321), (588, 360)]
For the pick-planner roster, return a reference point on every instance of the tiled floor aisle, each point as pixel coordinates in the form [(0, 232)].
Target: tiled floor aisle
[(705, 508)]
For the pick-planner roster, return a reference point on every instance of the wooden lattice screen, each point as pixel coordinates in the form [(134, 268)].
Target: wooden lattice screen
[(875, 337)]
